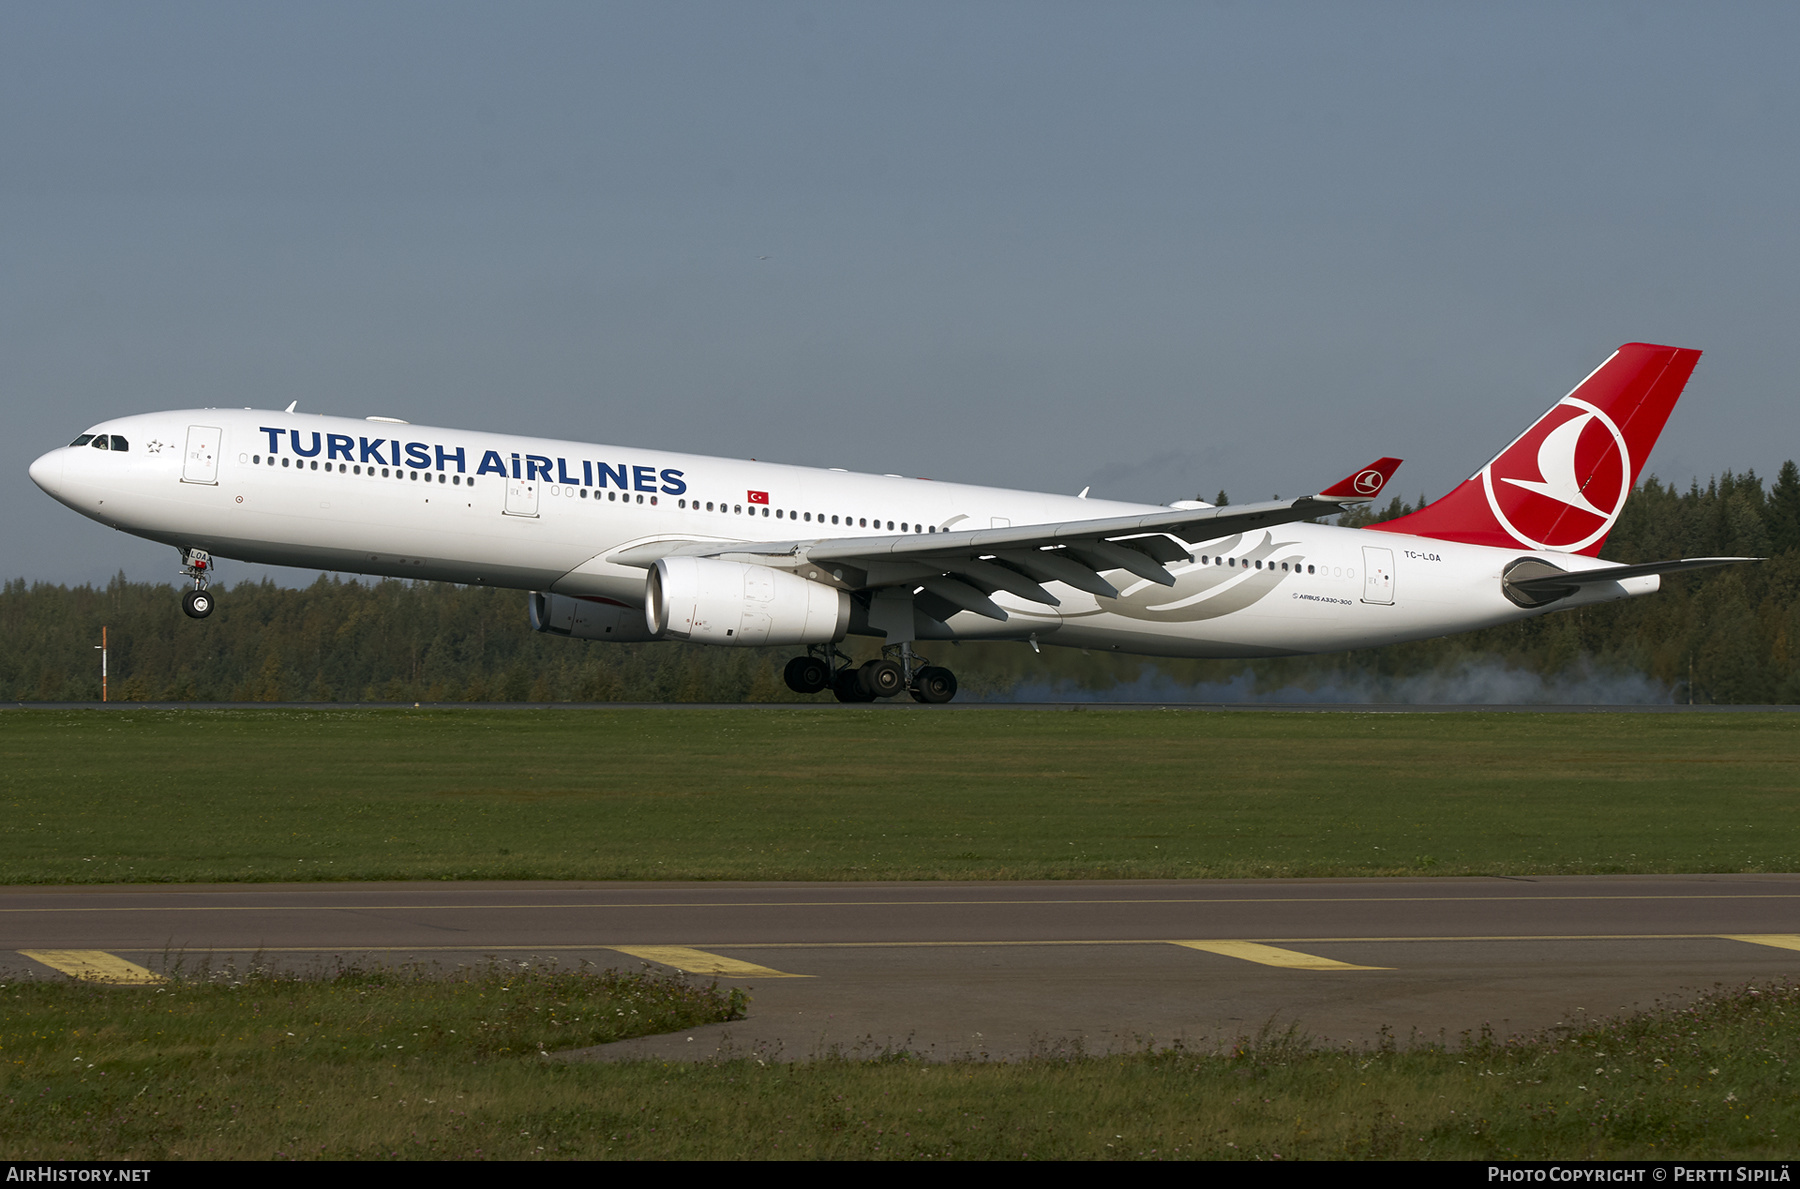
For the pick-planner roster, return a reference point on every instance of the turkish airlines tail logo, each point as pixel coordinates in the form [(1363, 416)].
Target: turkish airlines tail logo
[(1562, 483), (1556, 462)]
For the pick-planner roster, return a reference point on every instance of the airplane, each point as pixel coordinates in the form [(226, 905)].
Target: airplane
[(624, 544)]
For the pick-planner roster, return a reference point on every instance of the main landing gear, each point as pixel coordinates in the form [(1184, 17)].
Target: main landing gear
[(897, 670), (196, 564)]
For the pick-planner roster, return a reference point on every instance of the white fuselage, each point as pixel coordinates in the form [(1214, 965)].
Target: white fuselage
[(385, 498)]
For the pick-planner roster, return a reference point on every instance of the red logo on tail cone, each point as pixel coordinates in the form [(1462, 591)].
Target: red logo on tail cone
[(1563, 484)]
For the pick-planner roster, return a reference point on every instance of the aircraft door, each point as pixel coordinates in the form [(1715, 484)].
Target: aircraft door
[(1378, 575), (521, 497), (201, 462)]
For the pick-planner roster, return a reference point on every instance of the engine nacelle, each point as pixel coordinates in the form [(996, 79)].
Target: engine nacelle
[(709, 601), (585, 618)]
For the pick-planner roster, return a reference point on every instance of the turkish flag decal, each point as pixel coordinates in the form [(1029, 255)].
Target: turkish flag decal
[(759, 497)]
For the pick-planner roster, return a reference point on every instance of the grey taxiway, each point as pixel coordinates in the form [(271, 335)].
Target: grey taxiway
[(994, 970)]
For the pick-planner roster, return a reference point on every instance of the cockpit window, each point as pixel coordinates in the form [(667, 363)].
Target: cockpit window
[(100, 442), (83, 440), (119, 443)]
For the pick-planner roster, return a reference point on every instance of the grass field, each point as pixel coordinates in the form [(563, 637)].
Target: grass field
[(847, 793), (367, 1066)]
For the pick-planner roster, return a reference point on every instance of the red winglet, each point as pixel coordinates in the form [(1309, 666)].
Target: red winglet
[(1365, 484)]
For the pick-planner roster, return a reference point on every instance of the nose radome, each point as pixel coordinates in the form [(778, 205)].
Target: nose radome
[(47, 471)]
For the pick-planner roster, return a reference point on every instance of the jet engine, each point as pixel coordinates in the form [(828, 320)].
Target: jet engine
[(708, 601), (586, 618)]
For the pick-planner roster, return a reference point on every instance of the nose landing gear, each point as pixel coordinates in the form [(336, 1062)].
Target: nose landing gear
[(196, 564), (897, 670)]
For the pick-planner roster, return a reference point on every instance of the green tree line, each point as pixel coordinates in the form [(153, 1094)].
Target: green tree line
[(1722, 636)]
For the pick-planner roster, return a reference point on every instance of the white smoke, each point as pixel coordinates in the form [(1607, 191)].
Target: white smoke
[(1488, 682)]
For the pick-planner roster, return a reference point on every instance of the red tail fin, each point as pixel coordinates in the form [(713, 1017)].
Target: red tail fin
[(1562, 483)]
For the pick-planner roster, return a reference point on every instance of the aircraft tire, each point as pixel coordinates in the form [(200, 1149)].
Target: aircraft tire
[(933, 685), (847, 688), (197, 604), (806, 675), (881, 679)]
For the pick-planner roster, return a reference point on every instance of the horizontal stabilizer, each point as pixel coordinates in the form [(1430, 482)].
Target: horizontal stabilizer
[(1532, 582)]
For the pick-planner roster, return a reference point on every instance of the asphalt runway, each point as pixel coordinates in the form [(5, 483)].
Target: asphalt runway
[(995, 970)]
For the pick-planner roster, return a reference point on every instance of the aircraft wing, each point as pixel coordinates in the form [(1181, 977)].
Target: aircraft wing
[(961, 569)]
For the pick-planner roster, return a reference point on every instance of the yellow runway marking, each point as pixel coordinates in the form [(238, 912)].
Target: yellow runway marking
[(1781, 941), (93, 965), (1269, 955), (700, 962)]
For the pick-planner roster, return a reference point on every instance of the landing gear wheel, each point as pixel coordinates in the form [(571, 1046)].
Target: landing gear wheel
[(881, 679), (197, 603), (847, 688), (933, 684), (807, 675)]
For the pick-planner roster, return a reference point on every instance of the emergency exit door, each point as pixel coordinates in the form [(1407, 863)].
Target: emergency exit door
[(1378, 575)]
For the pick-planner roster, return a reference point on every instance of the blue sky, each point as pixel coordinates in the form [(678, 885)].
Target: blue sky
[(1161, 249)]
